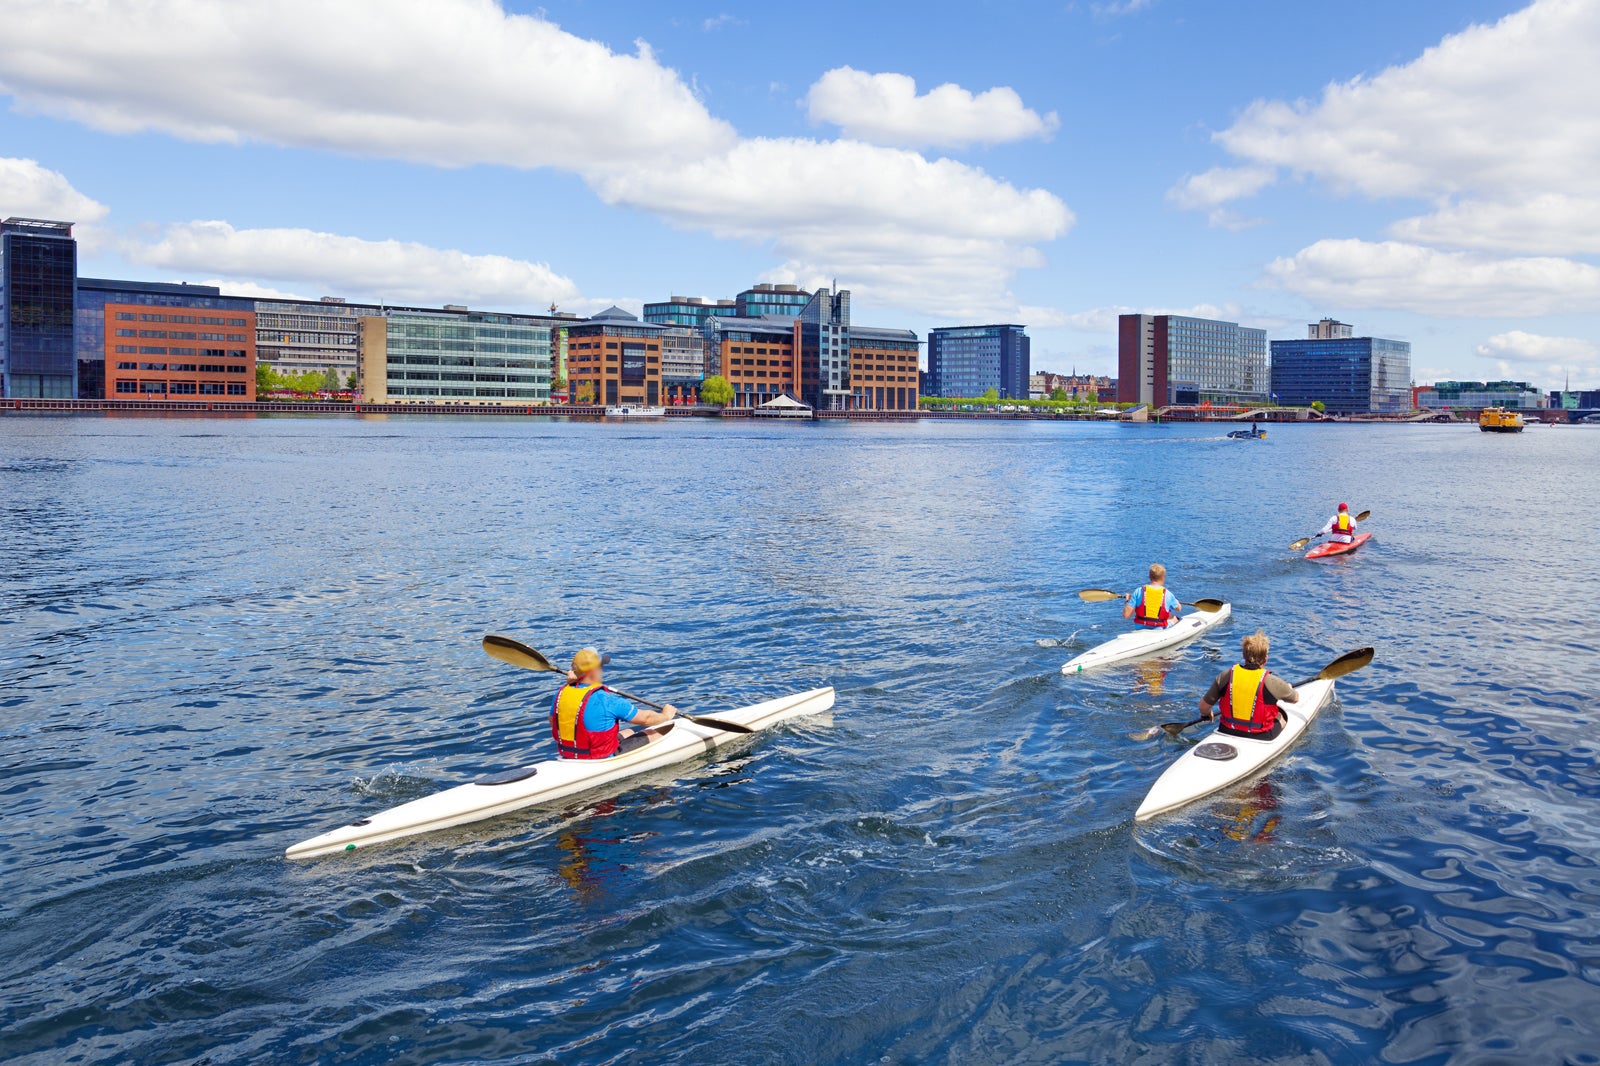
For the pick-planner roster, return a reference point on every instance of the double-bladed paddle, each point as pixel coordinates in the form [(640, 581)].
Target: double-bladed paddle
[(1348, 663), (1303, 541), (519, 654), (1210, 606)]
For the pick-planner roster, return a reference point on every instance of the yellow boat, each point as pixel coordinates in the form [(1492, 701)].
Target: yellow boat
[(1499, 420)]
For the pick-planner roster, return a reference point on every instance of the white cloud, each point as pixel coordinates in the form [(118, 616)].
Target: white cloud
[(251, 289), (1552, 224), (1409, 277), (716, 22), (885, 109), (462, 82), (935, 236), (1120, 7), (1559, 358), (1104, 319), (446, 82), (399, 271), (1218, 186), (32, 191)]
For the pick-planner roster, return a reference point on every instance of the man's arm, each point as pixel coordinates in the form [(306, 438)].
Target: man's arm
[(616, 709), (1213, 694), (1282, 690), (1127, 605)]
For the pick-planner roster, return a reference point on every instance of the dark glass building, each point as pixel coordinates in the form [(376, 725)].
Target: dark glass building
[(971, 360), (38, 276), (1350, 375)]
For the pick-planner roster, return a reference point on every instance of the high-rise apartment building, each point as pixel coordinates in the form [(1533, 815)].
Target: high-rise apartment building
[(454, 356), (971, 360), (38, 292), (1348, 375), (1175, 359)]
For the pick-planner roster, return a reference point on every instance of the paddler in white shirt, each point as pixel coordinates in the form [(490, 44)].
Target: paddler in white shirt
[(1341, 528), (1152, 605)]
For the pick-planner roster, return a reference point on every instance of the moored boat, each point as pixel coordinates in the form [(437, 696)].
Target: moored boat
[(554, 779), (1223, 760), (635, 410), (1142, 643), (1500, 420)]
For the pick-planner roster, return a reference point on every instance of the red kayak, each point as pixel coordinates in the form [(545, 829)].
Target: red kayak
[(1331, 548)]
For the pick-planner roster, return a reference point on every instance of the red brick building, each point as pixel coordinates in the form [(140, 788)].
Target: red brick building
[(179, 353)]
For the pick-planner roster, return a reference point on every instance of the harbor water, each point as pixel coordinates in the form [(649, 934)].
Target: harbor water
[(219, 637)]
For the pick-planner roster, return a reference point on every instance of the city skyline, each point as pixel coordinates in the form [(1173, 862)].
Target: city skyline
[(1417, 173)]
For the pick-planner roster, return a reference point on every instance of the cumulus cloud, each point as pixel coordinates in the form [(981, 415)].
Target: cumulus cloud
[(33, 191), (1552, 224), (1410, 277), (885, 109), (399, 271), (1218, 186), (462, 82), (1560, 358), (446, 82), (1104, 319)]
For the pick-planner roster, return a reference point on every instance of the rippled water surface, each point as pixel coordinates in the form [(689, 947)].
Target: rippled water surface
[(218, 638)]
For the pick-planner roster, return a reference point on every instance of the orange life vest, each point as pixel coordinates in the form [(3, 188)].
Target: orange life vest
[(1244, 705), (1152, 607), (572, 737)]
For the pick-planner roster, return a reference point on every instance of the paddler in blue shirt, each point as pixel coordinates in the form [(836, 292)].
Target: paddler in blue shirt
[(1341, 528), (586, 718), (1151, 605), (1249, 694)]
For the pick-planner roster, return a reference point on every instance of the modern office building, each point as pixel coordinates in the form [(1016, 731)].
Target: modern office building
[(1475, 395), (1167, 360), (852, 368), (178, 353), (755, 355), (38, 292), (454, 356), (296, 336), (1348, 375), (683, 364), (90, 339), (783, 301), (689, 311), (971, 360), (614, 358), (883, 369)]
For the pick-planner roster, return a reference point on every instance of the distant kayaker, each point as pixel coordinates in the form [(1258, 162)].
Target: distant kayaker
[(1151, 605), (586, 718), (1249, 694), (1341, 528)]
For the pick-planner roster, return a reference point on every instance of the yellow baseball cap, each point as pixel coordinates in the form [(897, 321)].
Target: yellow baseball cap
[(586, 659)]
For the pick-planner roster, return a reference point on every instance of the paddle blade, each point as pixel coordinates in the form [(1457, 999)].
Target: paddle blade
[(517, 654), (1348, 663), (1362, 517), (718, 723), (1209, 606), (1301, 543), (1144, 734), (1098, 595)]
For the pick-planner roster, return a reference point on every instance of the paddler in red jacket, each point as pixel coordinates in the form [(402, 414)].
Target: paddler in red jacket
[(586, 718), (1151, 605), (1249, 694)]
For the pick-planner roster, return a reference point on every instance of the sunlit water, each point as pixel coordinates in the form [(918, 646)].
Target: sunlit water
[(218, 638)]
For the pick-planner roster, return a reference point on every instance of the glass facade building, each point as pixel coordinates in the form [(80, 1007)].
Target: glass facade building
[(689, 311), (38, 294), (90, 317), (784, 301), (1349, 375), (454, 357), (1479, 394), (1167, 360), (970, 360)]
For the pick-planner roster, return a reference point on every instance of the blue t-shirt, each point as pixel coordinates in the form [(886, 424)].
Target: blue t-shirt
[(605, 710)]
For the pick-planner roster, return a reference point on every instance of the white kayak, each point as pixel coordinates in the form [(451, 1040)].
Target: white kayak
[(1223, 760), (1143, 643), (555, 779)]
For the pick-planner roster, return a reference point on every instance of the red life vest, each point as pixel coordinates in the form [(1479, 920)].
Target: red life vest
[(572, 737), (1252, 713), (1151, 609)]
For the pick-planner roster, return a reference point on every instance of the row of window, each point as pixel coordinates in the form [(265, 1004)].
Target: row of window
[(192, 368), (413, 359), (446, 375), (183, 388), (201, 320), (204, 353), (469, 394)]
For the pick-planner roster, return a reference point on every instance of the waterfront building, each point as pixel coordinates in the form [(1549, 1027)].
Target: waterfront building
[(851, 368), (38, 293), (755, 355), (883, 369), (95, 350), (1349, 375), (1043, 384), (1476, 395), (1167, 360), (683, 364), (614, 358), (968, 361), (454, 356), (178, 353), (783, 301), (689, 311), (296, 336)]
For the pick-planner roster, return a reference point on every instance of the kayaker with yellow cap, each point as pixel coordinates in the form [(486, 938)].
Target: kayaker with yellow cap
[(586, 718), (1151, 605), (1249, 694)]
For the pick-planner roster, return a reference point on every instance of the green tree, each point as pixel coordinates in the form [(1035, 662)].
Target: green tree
[(266, 379), (1318, 406), (715, 389), (350, 382), (330, 380), (585, 393), (992, 396), (1057, 394)]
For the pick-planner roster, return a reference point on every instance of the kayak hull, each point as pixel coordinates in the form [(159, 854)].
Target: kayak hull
[(1200, 772), (1143, 643), (554, 779), (1331, 548)]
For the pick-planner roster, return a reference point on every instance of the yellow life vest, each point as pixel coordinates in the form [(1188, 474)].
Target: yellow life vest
[(1152, 609), (1343, 524), (1242, 691), (566, 723)]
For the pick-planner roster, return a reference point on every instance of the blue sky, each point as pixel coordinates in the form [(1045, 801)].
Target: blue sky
[(1424, 171)]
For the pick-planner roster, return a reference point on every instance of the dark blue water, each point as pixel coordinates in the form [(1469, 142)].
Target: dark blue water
[(221, 637)]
